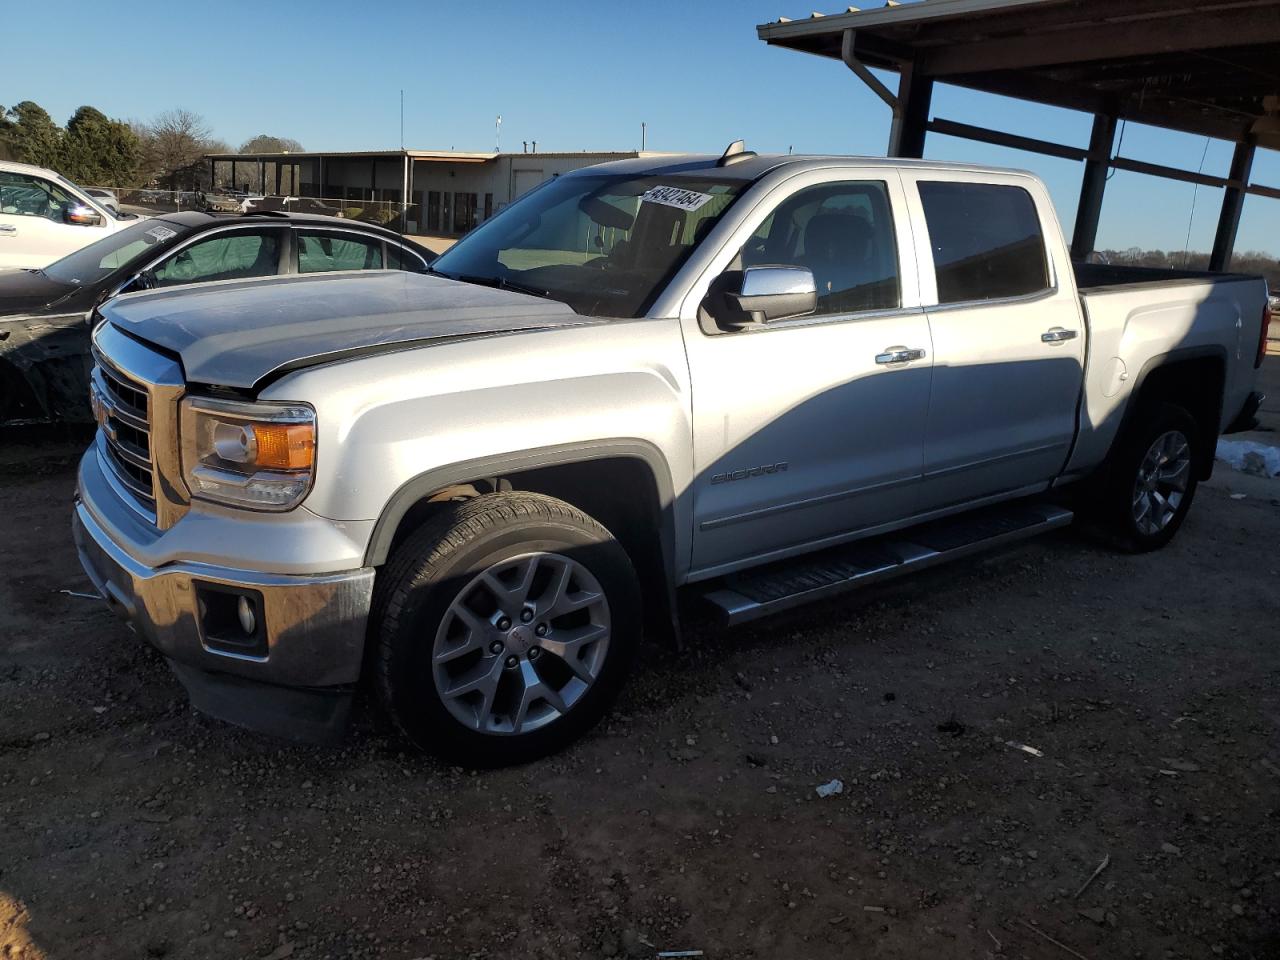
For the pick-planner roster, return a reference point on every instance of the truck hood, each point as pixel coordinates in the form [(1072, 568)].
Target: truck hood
[(237, 333)]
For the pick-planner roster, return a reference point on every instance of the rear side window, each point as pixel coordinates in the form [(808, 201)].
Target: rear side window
[(986, 241), (324, 252)]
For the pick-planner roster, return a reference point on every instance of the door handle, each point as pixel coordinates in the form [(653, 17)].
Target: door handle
[(899, 355), (8, 228), (1058, 334)]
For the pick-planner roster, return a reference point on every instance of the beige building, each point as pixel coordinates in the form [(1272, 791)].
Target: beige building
[(440, 192)]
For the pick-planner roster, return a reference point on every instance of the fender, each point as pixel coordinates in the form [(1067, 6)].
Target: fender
[(414, 490)]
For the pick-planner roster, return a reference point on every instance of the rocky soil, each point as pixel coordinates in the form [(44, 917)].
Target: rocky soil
[(1001, 728)]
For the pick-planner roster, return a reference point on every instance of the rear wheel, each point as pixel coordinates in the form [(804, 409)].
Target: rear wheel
[(507, 626), (1153, 479)]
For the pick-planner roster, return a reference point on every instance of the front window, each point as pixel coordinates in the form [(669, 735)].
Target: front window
[(604, 245), (23, 195), (843, 232), (226, 256), (99, 260)]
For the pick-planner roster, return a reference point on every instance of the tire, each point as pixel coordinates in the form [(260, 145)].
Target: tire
[(1153, 478), (459, 671)]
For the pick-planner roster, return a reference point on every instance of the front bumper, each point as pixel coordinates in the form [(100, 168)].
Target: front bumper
[(298, 684)]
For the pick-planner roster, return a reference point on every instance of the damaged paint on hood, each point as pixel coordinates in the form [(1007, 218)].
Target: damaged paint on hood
[(238, 333)]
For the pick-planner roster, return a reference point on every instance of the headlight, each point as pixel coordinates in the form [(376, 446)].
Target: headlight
[(259, 455)]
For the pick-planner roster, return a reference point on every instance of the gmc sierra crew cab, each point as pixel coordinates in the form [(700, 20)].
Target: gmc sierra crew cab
[(762, 378)]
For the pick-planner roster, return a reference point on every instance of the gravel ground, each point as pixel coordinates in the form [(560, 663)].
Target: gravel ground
[(1143, 690)]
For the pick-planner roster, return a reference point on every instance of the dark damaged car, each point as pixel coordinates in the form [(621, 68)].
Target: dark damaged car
[(46, 314)]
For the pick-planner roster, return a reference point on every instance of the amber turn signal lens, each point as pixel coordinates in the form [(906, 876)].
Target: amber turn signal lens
[(285, 446)]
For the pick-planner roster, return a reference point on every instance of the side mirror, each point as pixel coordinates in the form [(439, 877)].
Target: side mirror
[(81, 215), (774, 293)]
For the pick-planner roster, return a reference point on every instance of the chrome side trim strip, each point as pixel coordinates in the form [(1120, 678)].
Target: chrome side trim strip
[(988, 461)]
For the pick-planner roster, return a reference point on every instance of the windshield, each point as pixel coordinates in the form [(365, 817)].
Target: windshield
[(101, 259), (604, 245)]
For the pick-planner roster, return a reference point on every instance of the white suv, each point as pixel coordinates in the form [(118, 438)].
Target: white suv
[(44, 216)]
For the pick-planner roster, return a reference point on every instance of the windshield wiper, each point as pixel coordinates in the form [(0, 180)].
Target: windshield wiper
[(500, 282)]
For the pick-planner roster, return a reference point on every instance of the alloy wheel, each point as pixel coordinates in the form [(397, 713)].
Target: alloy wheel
[(521, 644)]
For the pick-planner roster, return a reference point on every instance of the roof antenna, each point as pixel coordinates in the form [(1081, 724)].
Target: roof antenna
[(735, 153)]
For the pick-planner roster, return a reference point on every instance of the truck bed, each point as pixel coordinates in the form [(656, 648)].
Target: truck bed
[(1092, 276)]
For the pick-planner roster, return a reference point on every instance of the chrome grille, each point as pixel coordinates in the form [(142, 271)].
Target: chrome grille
[(122, 406)]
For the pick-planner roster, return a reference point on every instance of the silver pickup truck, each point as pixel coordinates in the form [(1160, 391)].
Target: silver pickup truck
[(765, 379)]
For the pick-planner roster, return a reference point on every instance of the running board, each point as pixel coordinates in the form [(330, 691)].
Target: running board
[(778, 586)]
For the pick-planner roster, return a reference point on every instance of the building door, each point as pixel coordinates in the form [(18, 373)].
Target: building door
[(433, 211)]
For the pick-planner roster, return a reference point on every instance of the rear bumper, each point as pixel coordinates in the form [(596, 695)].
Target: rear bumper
[(294, 680), (1247, 418)]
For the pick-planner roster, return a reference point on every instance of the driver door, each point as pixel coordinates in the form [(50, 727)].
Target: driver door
[(33, 231), (804, 431)]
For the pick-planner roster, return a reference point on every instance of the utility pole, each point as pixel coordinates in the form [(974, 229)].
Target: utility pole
[(643, 130), (497, 135), (402, 120)]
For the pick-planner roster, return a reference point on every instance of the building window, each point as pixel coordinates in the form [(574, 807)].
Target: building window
[(488, 205), (433, 211)]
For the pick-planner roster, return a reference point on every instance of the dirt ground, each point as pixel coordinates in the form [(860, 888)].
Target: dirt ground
[(1146, 690)]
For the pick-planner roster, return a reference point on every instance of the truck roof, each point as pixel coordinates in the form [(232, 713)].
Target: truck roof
[(753, 166)]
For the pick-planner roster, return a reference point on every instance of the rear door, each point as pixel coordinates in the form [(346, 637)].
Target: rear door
[(807, 429), (1008, 337)]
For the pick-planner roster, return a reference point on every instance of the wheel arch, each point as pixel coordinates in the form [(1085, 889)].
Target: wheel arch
[(587, 475), (1193, 378)]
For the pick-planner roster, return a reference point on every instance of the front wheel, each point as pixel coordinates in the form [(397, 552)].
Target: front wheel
[(1153, 479), (507, 626)]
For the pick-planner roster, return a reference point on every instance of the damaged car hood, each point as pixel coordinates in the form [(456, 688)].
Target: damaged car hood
[(237, 333)]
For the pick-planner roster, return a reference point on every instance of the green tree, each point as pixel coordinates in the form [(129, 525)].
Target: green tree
[(101, 151), (33, 136), (6, 132), (265, 143)]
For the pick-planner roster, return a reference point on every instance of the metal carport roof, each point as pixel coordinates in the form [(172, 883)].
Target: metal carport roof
[(1209, 68)]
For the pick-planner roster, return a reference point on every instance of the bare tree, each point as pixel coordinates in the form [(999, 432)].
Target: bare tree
[(176, 141)]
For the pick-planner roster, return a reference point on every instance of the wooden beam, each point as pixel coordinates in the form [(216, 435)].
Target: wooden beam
[(915, 94), (1093, 185), (1108, 41), (1172, 173), (1157, 112), (1224, 239), (965, 131), (1258, 190)]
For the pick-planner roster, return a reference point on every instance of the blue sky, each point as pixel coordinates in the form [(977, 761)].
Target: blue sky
[(571, 75)]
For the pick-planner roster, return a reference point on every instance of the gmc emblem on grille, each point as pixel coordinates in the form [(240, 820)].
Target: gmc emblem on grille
[(749, 472), (101, 412)]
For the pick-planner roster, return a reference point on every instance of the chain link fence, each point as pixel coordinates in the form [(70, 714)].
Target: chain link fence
[(147, 201)]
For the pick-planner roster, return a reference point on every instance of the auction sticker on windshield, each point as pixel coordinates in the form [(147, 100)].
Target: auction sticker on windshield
[(162, 233), (675, 197)]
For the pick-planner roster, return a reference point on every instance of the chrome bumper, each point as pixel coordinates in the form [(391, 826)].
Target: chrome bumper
[(314, 625)]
